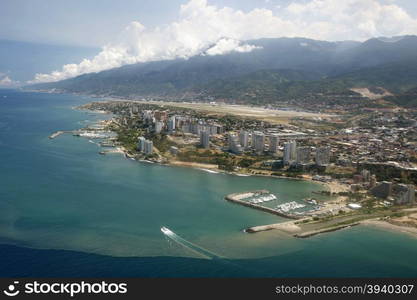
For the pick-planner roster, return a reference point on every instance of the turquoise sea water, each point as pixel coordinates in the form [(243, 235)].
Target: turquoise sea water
[(64, 205)]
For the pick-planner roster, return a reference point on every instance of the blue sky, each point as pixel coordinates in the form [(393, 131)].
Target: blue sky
[(98, 22), (90, 22)]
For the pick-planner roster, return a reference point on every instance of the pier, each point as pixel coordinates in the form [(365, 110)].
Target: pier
[(56, 134), (89, 132), (238, 198)]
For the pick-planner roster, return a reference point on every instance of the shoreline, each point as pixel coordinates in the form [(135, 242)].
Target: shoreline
[(389, 226), (293, 228), (332, 186)]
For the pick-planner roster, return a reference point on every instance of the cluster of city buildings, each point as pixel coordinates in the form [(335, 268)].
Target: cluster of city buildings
[(400, 194), (393, 193), (349, 146), (384, 143), (292, 154), (161, 121)]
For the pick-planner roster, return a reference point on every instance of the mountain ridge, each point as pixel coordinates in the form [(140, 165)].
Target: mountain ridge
[(277, 69)]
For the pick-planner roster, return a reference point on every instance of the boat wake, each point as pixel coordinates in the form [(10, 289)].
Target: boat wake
[(193, 247)]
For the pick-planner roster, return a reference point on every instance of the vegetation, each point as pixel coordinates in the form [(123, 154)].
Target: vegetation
[(127, 137), (160, 141), (280, 71)]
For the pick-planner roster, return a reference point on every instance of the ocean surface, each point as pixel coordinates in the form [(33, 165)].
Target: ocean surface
[(65, 210)]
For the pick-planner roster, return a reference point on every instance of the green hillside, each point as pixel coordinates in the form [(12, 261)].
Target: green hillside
[(280, 70)]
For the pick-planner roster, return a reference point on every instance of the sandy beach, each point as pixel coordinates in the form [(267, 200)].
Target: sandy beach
[(336, 187), (389, 226), (194, 165)]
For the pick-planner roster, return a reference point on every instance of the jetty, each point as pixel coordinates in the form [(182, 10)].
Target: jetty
[(324, 230), (58, 133), (90, 133), (289, 227), (117, 150), (55, 134), (238, 198)]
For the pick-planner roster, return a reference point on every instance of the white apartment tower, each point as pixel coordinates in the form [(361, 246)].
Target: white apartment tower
[(290, 152), (258, 139), (158, 126), (234, 145), (205, 139), (273, 143), (244, 139), (171, 124), (148, 147), (303, 155), (141, 144), (322, 156)]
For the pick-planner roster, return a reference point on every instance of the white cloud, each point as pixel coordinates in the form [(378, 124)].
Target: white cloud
[(226, 45), (6, 81), (200, 26), (351, 19)]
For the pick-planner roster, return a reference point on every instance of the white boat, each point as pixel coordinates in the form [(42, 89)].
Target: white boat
[(286, 207), (266, 198), (166, 230)]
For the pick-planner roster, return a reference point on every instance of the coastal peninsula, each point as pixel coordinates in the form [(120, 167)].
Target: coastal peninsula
[(297, 145)]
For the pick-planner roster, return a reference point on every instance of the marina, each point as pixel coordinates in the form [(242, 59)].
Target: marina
[(288, 206), (263, 196), (262, 199)]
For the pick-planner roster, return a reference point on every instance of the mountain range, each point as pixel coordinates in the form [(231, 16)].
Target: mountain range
[(277, 70)]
